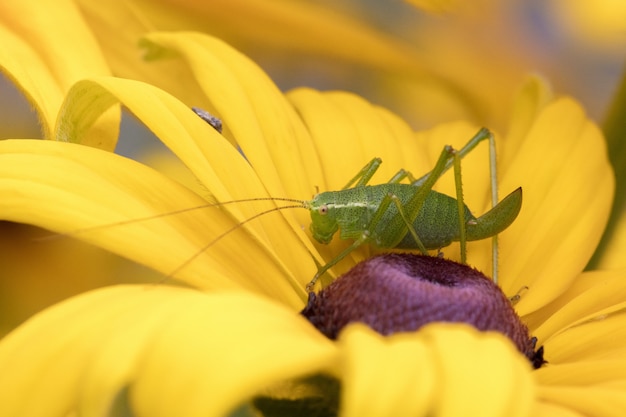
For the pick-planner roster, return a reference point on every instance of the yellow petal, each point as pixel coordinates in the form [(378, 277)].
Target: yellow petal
[(532, 98), (261, 120), (244, 343), (78, 355), (30, 75), (36, 58), (568, 184), (587, 401), (583, 373), (263, 123), (405, 363), (215, 162), (553, 410), (501, 382), (108, 193), (347, 132), (444, 369), (591, 296), (600, 339)]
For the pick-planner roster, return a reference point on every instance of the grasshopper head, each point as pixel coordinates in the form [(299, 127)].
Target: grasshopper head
[(323, 219)]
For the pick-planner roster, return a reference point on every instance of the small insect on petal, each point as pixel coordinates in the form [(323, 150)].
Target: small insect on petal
[(403, 292), (214, 121)]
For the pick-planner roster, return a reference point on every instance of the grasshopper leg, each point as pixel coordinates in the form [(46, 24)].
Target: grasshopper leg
[(365, 174), (321, 271), (461, 206)]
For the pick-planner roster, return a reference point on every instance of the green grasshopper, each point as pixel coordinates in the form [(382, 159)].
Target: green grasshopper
[(397, 215), (409, 216)]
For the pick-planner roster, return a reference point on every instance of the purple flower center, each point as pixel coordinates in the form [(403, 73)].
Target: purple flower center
[(403, 292)]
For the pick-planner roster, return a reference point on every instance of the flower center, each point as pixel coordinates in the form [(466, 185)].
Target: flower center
[(403, 292)]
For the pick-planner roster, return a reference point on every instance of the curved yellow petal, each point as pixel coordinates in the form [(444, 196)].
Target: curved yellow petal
[(592, 296), (502, 383), (215, 162), (245, 343), (98, 197), (587, 401), (190, 138), (444, 370), (261, 121), (154, 341), (553, 410), (583, 373), (535, 93), (397, 376), (29, 74), (252, 108), (583, 282), (347, 132), (568, 184), (600, 339), (292, 142), (36, 58)]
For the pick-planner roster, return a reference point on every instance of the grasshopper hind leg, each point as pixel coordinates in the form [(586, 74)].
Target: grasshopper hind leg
[(483, 134), (493, 176)]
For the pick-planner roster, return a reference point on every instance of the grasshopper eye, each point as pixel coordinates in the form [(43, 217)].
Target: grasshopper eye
[(323, 209)]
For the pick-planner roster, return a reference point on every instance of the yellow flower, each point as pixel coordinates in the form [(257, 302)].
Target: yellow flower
[(161, 350)]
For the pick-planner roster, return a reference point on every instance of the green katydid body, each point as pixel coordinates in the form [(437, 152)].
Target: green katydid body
[(409, 216), (437, 221)]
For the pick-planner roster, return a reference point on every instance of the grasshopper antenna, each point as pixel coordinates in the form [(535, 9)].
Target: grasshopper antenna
[(172, 213), (230, 230)]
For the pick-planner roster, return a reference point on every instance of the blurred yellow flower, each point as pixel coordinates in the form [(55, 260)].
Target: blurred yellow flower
[(600, 23), (160, 350), (461, 65), (36, 57)]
